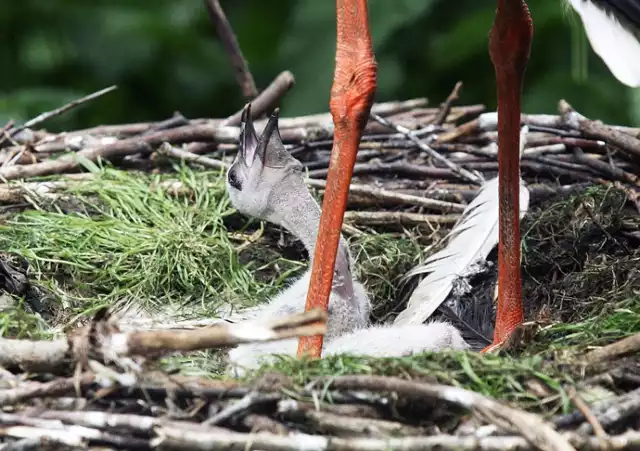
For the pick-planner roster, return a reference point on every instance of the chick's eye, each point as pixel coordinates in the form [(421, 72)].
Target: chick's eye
[(233, 179)]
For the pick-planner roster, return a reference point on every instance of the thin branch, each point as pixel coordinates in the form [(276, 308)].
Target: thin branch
[(445, 107), (390, 196), (422, 146), (531, 426), (57, 112), (267, 100), (598, 130), (626, 346), (168, 149), (586, 411), (398, 217), (230, 43), (143, 144)]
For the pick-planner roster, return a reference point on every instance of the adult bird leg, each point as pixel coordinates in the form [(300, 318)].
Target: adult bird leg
[(352, 93), (509, 47)]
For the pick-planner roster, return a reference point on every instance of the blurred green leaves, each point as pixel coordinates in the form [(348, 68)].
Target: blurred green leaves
[(164, 56)]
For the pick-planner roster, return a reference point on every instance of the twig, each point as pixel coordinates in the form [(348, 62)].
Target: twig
[(170, 150), (620, 348), (340, 425), (461, 130), (32, 355), (395, 168), (58, 111), (398, 217), (57, 387), (74, 436), (598, 408), (409, 134), (230, 43), (608, 170), (586, 411), (390, 196), (115, 421), (104, 338), (532, 427), (5, 128), (250, 400), (615, 413), (445, 107), (113, 344), (143, 144), (598, 130), (267, 100), (174, 438)]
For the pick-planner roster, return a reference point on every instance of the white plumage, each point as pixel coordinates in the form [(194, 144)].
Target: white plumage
[(618, 47), (470, 242), (398, 341)]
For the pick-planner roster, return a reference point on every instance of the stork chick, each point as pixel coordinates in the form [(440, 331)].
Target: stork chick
[(266, 182)]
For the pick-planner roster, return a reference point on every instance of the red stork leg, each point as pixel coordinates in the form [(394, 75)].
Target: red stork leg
[(509, 46), (354, 87)]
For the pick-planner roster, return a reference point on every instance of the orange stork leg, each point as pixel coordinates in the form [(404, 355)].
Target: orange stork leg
[(509, 47), (354, 87)]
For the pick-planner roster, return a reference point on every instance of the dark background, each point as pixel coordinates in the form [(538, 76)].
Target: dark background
[(165, 56)]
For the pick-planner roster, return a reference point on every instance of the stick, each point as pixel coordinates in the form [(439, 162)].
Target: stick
[(59, 387), (58, 111), (445, 107), (337, 424), (598, 130), (409, 134), (143, 144), (378, 193), (532, 427), (268, 99), (400, 198), (586, 411), (397, 217), (113, 343), (608, 170), (395, 168), (230, 43), (175, 152), (629, 345), (244, 404), (174, 438)]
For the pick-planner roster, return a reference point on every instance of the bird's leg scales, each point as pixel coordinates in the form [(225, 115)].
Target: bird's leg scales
[(509, 47), (352, 95)]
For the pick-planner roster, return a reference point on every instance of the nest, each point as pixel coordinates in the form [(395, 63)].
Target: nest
[(571, 383)]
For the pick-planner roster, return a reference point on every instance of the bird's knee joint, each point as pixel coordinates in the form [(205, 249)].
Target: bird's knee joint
[(354, 91)]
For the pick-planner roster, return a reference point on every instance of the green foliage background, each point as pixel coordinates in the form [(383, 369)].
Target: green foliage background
[(164, 56)]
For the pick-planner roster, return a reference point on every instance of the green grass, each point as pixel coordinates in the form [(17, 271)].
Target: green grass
[(116, 239), (503, 377)]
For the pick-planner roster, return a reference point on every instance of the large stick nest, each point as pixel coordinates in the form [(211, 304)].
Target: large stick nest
[(141, 229)]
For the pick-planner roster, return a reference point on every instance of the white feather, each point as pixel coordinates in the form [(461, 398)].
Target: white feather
[(397, 341), (470, 242), (618, 48)]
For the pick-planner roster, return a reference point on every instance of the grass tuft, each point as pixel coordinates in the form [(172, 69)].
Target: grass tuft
[(120, 240)]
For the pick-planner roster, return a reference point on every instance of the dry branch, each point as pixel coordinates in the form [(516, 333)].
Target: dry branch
[(596, 129), (230, 43), (268, 99), (53, 113), (104, 339), (626, 346), (532, 427)]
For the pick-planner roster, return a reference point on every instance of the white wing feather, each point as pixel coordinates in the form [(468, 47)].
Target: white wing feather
[(617, 46), (470, 242)]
